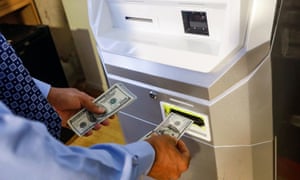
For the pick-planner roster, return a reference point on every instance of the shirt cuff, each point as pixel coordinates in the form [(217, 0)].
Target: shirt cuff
[(44, 87), (4, 108), (144, 155)]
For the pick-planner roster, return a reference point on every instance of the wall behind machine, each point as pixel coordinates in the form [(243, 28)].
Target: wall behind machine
[(77, 67), (52, 14), (77, 16)]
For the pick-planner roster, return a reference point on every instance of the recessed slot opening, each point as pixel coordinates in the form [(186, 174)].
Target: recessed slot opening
[(138, 19), (197, 120)]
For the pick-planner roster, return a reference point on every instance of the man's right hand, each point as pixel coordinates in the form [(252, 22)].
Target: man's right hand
[(172, 157)]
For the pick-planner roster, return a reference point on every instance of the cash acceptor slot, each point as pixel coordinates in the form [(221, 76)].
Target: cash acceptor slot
[(200, 127)]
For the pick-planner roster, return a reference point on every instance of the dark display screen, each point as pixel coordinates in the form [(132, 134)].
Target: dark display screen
[(195, 22)]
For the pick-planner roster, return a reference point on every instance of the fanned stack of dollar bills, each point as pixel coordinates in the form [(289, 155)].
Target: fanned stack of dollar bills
[(114, 99)]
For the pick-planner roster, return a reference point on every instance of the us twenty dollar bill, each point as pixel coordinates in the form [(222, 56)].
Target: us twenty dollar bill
[(174, 125), (114, 99)]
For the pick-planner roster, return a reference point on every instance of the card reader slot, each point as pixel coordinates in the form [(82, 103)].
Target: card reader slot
[(197, 120), (148, 20)]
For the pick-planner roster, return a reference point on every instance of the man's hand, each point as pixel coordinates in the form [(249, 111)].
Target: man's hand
[(68, 101), (171, 158)]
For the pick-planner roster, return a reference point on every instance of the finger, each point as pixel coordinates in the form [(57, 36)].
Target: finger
[(185, 155), (105, 122), (183, 149), (151, 135), (92, 107), (88, 133), (97, 127), (112, 117), (172, 139), (87, 102)]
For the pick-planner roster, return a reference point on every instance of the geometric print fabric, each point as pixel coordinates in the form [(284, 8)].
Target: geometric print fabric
[(20, 93)]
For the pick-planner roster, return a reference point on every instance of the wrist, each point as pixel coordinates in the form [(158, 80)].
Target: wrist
[(52, 95)]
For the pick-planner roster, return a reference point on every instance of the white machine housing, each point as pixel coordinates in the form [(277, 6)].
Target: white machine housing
[(153, 30), (208, 59)]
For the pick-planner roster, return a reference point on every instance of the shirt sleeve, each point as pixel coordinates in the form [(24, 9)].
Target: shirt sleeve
[(27, 150), (44, 87)]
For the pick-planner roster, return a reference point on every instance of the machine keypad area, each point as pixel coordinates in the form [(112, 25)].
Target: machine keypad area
[(195, 22)]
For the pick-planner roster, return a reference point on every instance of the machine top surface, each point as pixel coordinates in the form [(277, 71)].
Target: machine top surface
[(196, 36)]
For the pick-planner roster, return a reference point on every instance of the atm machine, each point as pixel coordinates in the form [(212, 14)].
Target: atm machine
[(208, 60)]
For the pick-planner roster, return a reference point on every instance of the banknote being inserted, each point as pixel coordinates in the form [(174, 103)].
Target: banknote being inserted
[(174, 125), (114, 99)]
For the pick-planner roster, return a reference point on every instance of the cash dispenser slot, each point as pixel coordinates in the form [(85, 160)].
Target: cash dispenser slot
[(200, 127)]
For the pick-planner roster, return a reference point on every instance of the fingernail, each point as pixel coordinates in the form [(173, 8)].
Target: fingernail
[(102, 108)]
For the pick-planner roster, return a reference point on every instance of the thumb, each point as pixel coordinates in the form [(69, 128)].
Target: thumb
[(91, 106)]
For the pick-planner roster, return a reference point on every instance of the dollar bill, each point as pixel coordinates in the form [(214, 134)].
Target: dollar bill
[(174, 125), (114, 99)]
